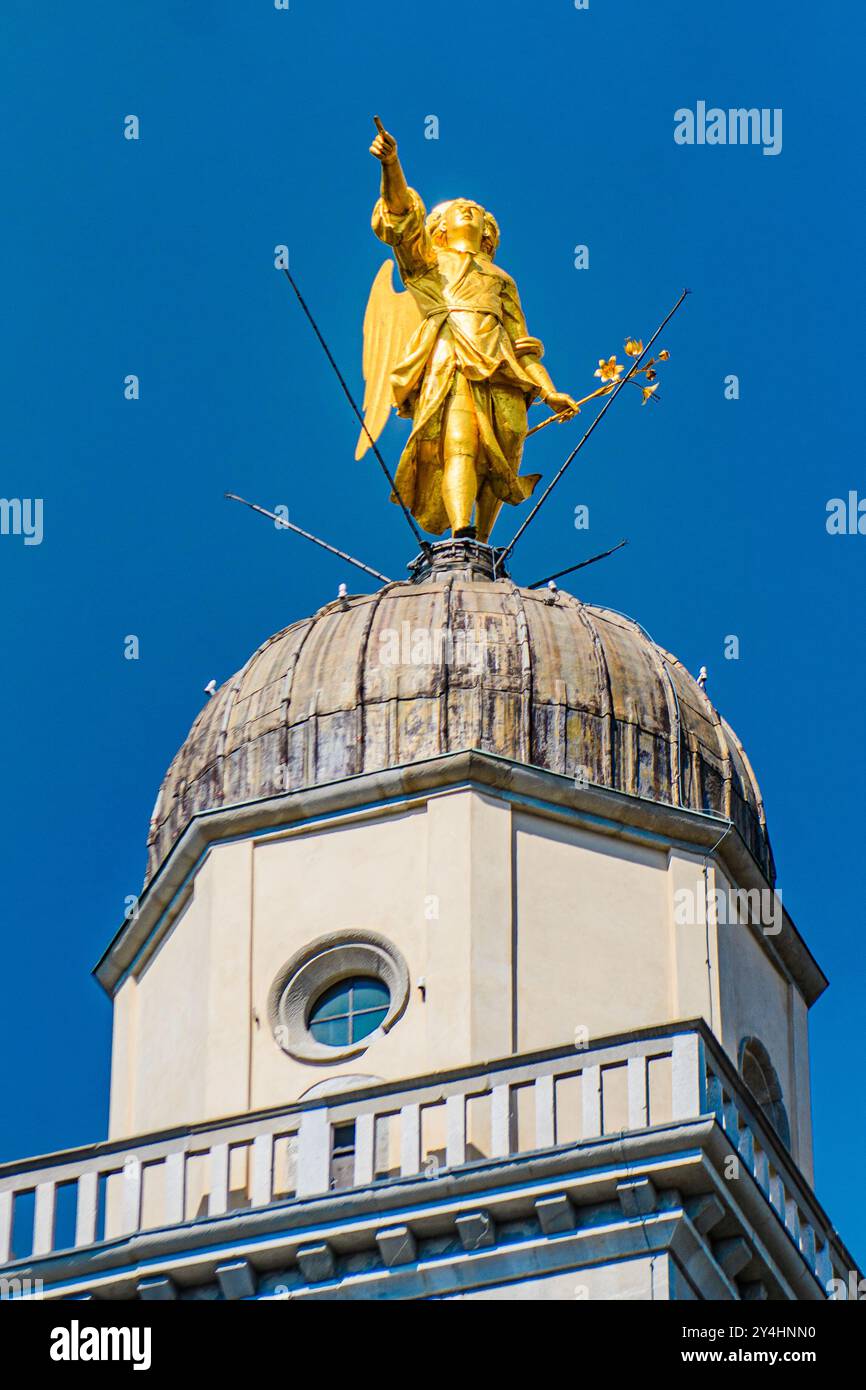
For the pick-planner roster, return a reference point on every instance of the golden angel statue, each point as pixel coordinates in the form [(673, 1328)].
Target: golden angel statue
[(452, 352)]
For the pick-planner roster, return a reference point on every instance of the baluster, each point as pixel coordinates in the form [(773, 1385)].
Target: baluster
[(590, 1089), (410, 1140), (314, 1154), (7, 1209), (261, 1189), (732, 1123), (43, 1218), (638, 1117), (545, 1137), (824, 1267), (175, 1183), (131, 1196), (716, 1098), (455, 1120), (808, 1245), (777, 1195), (365, 1138), (792, 1220), (500, 1121), (687, 1067), (218, 1197), (86, 1208)]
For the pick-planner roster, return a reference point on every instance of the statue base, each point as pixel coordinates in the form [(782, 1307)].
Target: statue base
[(459, 555)]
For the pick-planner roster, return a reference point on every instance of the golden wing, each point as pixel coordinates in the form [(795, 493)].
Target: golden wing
[(391, 319)]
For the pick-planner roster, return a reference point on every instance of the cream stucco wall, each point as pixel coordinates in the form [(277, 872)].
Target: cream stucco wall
[(758, 1000), (591, 934), (181, 1037), (370, 876), (518, 927)]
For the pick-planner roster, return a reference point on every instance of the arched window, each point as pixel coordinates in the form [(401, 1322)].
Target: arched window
[(762, 1080)]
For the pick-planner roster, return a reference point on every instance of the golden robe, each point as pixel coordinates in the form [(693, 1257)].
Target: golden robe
[(473, 324)]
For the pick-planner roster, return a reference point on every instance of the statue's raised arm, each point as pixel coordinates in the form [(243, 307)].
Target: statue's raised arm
[(395, 190)]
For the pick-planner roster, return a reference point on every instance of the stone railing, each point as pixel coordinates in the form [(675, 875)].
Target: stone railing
[(66, 1201), (762, 1153)]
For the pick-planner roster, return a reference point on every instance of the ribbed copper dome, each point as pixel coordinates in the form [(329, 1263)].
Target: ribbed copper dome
[(578, 690)]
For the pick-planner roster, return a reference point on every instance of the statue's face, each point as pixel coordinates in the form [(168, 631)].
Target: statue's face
[(464, 225)]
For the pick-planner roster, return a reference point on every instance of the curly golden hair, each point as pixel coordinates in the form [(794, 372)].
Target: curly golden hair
[(436, 225)]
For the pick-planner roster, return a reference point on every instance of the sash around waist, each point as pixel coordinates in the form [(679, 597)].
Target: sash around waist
[(446, 309)]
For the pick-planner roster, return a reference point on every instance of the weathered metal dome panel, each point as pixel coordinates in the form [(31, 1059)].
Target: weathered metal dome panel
[(535, 677)]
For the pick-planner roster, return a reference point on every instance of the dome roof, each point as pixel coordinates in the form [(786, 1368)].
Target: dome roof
[(453, 660)]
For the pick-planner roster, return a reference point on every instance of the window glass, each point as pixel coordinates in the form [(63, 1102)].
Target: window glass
[(349, 1011)]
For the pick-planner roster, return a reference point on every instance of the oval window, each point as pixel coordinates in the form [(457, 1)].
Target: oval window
[(348, 1011)]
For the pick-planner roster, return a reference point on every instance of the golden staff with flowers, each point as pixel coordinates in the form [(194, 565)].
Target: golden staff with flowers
[(613, 381), (610, 372)]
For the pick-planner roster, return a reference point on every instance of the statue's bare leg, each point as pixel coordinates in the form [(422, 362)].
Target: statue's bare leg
[(509, 417), (489, 506), (460, 447)]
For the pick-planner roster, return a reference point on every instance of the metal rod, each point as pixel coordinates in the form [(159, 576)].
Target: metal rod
[(503, 555), (308, 536), (582, 565), (425, 545)]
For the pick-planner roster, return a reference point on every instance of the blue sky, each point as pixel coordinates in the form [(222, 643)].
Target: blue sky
[(155, 257)]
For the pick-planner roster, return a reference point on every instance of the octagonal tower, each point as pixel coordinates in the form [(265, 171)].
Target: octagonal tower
[(458, 972), (494, 813)]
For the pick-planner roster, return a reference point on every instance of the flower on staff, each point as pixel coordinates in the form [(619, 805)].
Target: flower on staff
[(609, 370), (633, 347), (648, 390), (664, 355), (650, 373)]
